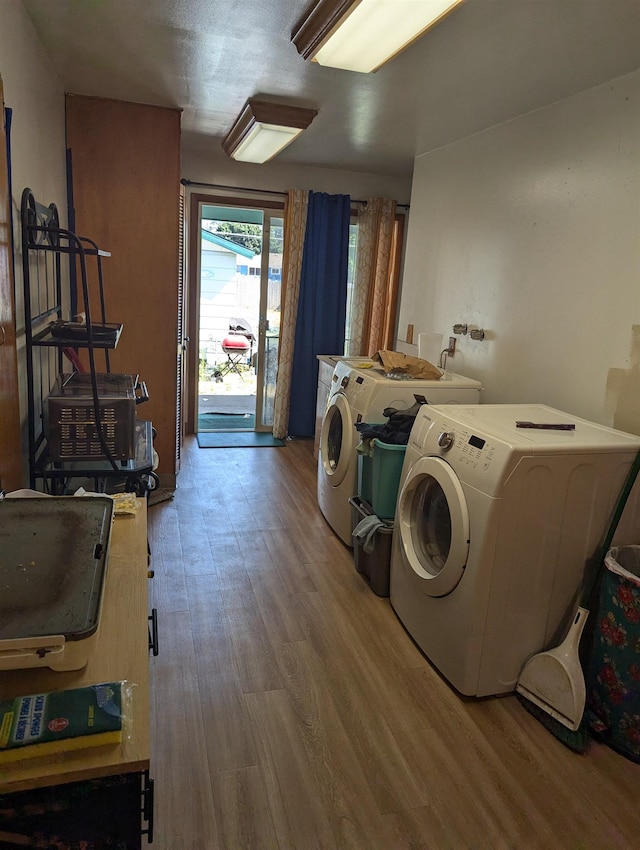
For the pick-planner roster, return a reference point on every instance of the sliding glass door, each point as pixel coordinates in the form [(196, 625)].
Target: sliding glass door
[(240, 268)]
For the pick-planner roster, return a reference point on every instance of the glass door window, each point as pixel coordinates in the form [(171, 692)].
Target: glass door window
[(430, 525), (433, 523), (334, 439), (239, 307), (269, 323), (337, 440)]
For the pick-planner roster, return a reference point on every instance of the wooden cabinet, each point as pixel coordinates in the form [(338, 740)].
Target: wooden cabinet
[(10, 443), (124, 163), (117, 774)]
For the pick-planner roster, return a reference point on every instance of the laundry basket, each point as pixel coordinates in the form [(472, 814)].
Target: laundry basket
[(613, 688), (379, 470), (373, 562)]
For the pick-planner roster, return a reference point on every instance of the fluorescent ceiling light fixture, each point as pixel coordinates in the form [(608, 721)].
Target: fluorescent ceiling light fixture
[(361, 35), (263, 129)]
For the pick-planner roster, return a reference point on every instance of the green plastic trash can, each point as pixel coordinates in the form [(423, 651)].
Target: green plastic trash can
[(379, 469)]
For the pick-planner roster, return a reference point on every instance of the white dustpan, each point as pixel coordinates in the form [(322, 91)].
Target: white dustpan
[(553, 680)]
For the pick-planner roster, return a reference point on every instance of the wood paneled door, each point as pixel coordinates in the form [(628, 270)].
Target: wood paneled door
[(10, 443), (125, 175)]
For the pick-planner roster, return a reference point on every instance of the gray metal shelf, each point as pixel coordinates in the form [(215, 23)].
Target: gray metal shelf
[(44, 245)]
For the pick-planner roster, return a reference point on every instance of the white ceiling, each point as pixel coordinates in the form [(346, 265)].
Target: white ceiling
[(486, 63)]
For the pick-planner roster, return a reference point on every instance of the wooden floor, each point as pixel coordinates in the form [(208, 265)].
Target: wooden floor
[(292, 710)]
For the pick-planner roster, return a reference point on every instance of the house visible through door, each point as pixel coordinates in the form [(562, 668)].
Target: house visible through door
[(239, 316)]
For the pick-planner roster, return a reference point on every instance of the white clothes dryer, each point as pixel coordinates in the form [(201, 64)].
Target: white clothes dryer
[(361, 393), (495, 525)]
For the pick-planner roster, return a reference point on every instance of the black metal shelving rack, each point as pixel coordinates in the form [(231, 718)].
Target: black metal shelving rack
[(50, 254)]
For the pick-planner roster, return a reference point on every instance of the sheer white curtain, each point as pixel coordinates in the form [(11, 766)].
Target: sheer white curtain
[(295, 223), (375, 292)]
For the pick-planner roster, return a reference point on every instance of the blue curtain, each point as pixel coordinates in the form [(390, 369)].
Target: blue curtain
[(322, 303)]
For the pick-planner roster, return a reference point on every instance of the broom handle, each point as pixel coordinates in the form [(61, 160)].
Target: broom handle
[(622, 502)]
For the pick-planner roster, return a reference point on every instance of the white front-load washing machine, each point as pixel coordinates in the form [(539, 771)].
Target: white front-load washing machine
[(361, 393), (495, 525)]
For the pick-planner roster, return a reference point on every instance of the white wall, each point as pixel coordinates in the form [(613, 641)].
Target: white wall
[(531, 230), (224, 295), (36, 97), (213, 166)]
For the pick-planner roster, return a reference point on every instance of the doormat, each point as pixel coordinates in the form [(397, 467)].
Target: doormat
[(236, 439), (225, 421)]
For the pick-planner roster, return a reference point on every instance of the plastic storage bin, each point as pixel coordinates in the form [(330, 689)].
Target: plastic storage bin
[(613, 687), (365, 473), (70, 418), (374, 565), (379, 476)]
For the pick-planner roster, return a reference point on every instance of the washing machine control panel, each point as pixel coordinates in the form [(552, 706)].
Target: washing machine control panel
[(355, 390), (445, 440), (473, 450), (464, 448)]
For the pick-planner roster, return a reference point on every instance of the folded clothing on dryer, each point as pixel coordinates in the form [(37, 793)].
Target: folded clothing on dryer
[(396, 430), (410, 411)]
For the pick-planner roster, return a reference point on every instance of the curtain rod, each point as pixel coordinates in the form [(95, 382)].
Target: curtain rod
[(186, 182)]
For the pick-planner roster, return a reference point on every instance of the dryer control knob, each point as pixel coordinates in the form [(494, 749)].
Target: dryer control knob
[(445, 440), (344, 382)]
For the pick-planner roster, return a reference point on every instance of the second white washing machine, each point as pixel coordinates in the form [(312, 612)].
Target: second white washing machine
[(495, 525), (361, 394)]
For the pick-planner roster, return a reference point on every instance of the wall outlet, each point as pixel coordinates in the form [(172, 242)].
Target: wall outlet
[(452, 346)]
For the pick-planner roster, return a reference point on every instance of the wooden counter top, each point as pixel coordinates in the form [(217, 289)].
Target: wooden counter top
[(121, 653)]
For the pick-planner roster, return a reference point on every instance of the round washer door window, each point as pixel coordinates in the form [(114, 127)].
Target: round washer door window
[(434, 525), (337, 440)]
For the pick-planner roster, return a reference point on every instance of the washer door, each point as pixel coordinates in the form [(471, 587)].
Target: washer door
[(337, 440), (434, 525)]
